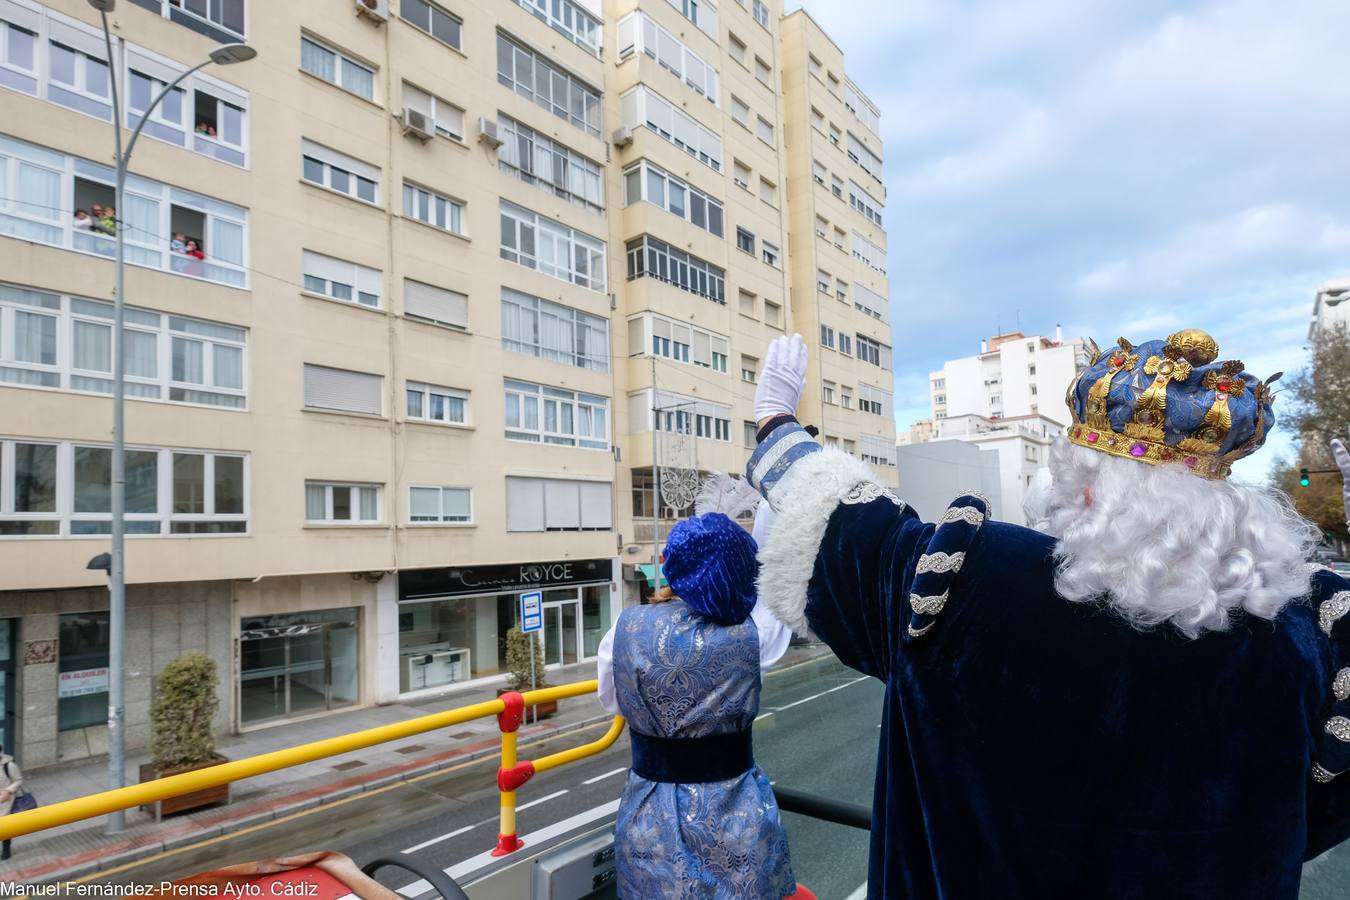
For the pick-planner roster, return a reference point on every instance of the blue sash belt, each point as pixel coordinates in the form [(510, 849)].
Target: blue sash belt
[(701, 760)]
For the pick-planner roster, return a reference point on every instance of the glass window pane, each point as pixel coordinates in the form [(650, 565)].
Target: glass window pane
[(415, 404), (342, 503), (62, 63), (35, 338), (229, 486), (313, 170), (142, 485), (187, 361), (315, 501), (189, 483), (369, 504), (34, 478), (93, 479), (141, 349), (92, 346)]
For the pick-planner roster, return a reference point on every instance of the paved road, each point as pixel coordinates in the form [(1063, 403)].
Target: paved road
[(818, 732)]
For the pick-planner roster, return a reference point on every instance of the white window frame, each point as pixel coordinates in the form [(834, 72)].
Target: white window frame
[(769, 253), (590, 119), (569, 19), (440, 111), (580, 405), (341, 62), (702, 13), (432, 208), (354, 499), (649, 257), (869, 253), (442, 518), (432, 10), (640, 33), (643, 107), (652, 334), (589, 345), (542, 231), (426, 392), (761, 13), (171, 10), (648, 172), (332, 161), (315, 282), (864, 203), (553, 167)]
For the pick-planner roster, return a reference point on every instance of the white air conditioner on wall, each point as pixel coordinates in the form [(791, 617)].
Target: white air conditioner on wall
[(622, 137), (377, 10), (487, 132), (417, 124)]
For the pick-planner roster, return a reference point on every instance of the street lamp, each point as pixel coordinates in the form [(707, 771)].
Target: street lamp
[(224, 55)]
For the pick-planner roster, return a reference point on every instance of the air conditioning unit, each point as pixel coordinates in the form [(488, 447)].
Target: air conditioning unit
[(622, 137), (378, 10), (487, 132), (417, 124)]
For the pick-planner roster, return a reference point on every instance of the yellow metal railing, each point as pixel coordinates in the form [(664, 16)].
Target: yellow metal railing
[(509, 710)]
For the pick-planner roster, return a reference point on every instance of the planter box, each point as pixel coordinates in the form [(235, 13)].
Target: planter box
[(194, 800), (539, 710)]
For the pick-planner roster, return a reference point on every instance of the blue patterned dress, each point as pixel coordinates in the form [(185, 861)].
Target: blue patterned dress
[(680, 676)]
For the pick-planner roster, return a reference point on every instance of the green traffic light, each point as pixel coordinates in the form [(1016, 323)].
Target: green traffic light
[(1303, 479)]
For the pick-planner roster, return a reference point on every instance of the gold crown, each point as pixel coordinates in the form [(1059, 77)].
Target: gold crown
[(1143, 437)]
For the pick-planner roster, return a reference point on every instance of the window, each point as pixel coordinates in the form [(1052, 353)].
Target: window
[(539, 243), (1031, 456), (221, 20), (702, 13), (817, 120), (822, 226), (860, 200), (874, 400), (818, 172), (343, 391), (827, 336), (862, 108), (440, 504), (939, 384), (644, 107), (335, 67), (436, 305), (77, 67), (827, 389), (763, 72), (34, 181), (1031, 369), (342, 504), (939, 398), (55, 341), (840, 237), (765, 130), (773, 314), (548, 85), (1033, 390), (835, 134), (646, 181), (541, 414), (770, 253), (845, 345), (652, 258), (557, 504), (768, 192), (837, 186), (874, 352), (823, 281), (747, 304), (18, 51), (339, 172), (868, 161), (568, 19), (548, 330), (750, 435), (448, 118), (740, 111), (741, 175), (738, 49), (60, 489), (870, 253), (676, 413), (749, 369), (640, 33), (433, 20), (540, 161), (678, 341), (814, 64), (761, 12), (832, 83), (745, 241), (869, 301), (338, 279), (846, 396), (432, 209), (441, 405), (841, 290)]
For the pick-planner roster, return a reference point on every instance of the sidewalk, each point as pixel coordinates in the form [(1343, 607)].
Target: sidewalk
[(82, 848)]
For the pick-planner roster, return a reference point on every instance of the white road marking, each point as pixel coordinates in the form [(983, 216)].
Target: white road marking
[(436, 840), (540, 800), (606, 775), (860, 893), (818, 696)]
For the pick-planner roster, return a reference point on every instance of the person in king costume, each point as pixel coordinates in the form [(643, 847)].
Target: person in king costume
[(1152, 703)]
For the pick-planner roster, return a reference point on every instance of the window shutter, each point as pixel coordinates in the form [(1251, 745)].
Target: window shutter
[(562, 504), (524, 504), (435, 304), (425, 502), (340, 389), (702, 348), (637, 336), (457, 503), (595, 504)]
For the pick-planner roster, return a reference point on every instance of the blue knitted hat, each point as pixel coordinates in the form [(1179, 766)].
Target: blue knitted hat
[(711, 565)]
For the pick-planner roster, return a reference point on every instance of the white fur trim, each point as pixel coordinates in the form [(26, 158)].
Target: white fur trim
[(804, 500)]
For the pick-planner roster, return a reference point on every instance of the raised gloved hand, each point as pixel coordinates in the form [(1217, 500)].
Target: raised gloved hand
[(1343, 463), (783, 378)]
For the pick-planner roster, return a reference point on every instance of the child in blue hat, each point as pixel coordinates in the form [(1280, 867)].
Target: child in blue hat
[(698, 818)]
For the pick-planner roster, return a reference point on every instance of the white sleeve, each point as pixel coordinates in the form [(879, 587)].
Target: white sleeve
[(604, 673), (773, 634)]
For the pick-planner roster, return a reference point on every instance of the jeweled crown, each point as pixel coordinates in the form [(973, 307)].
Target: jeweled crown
[(1170, 401)]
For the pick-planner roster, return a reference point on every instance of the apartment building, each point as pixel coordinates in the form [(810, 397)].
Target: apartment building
[(1330, 309), (1013, 376), (420, 304)]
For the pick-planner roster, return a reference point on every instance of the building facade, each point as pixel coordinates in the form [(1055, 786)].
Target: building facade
[(1013, 376), (1331, 307), (421, 304)]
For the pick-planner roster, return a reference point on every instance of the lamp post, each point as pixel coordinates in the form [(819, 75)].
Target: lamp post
[(224, 55)]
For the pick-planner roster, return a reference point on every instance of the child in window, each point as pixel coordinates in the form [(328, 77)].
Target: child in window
[(179, 243), (82, 221), (108, 223)]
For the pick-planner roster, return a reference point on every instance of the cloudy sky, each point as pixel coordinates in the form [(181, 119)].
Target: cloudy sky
[(1114, 166)]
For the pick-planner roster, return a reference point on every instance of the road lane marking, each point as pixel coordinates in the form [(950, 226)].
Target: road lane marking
[(552, 796), (606, 775), (818, 696), (860, 893), (436, 840)]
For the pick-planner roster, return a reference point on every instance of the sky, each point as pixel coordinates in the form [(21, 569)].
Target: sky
[(1118, 167)]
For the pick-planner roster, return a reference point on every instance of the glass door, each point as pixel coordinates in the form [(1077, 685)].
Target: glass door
[(291, 665), (562, 632)]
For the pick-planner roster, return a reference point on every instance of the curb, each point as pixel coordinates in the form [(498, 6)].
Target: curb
[(250, 818)]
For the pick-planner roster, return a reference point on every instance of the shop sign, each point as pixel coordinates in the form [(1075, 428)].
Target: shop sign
[(422, 583), (82, 682)]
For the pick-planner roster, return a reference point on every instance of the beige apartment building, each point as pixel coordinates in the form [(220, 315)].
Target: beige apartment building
[(422, 301)]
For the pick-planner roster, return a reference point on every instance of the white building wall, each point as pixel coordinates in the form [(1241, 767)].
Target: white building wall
[(934, 473)]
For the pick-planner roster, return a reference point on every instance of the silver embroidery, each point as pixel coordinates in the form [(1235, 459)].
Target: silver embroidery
[(940, 562), (867, 491), (1340, 686), (977, 495), (928, 606), (1339, 728), (968, 514), (1331, 610), (1321, 775), (920, 632)]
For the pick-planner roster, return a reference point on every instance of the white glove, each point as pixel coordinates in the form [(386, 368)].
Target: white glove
[(1343, 463), (783, 378)]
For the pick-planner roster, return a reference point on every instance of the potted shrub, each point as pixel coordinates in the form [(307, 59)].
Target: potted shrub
[(519, 647), (181, 737)]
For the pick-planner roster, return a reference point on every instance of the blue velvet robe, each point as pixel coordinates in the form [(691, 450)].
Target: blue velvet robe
[(1032, 748)]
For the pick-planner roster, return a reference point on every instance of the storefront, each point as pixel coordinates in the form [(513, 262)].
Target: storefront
[(452, 623), (8, 646), (298, 664)]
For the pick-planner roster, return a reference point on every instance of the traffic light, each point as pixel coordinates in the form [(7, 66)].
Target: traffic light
[(1303, 478)]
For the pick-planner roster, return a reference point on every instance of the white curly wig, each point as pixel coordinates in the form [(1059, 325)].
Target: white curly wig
[(1160, 545)]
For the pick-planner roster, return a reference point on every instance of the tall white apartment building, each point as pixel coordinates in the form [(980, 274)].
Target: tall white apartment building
[(1013, 376)]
